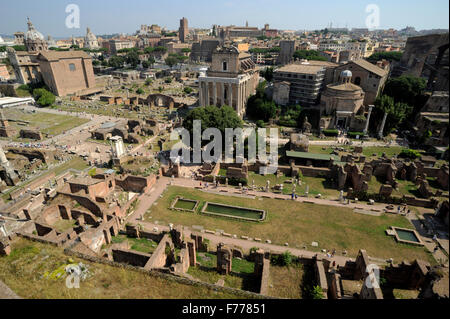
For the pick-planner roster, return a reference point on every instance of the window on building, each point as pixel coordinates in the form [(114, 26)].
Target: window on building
[(72, 67), (225, 66), (357, 80)]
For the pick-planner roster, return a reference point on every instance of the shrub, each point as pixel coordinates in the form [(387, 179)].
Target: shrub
[(354, 134), (260, 123), (333, 132), (317, 292), (43, 97), (139, 91), (168, 80), (24, 87), (187, 90), (409, 153), (285, 259)]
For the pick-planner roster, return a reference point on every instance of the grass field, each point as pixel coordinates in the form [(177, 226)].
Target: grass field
[(296, 223), (241, 276), (23, 271), (47, 123), (288, 281)]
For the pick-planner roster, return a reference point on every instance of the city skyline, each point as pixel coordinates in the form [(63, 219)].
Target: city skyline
[(120, 17)]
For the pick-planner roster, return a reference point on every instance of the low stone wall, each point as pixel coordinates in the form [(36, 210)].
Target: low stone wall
[(321, 277), (132, 257), (175, 201), (310, 171), (182, 280), (265, 277), (205, 206), (183, 263), (159, 256)]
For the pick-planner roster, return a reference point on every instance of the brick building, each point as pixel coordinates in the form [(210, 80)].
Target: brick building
[(66, 72)]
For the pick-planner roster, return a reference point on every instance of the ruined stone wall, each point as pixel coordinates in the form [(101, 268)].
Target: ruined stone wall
[(265, 276), (159, 256), (136, 184), (310, 171), (182, 264), (131, 257), (321, 277)]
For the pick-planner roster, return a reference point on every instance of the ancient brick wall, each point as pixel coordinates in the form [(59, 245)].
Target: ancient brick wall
[(134, 258), (159, 256)]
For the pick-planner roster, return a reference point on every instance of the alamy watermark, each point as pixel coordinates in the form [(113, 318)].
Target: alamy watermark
[(73, 19), (373, 19)]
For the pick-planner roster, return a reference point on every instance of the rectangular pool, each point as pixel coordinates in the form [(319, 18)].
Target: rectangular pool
[(234, 211)]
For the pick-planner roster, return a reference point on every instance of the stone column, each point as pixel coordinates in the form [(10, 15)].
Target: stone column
[(380, 132), (214, 93), (239, 108), (368, 119), (207, 93), (222, 93), (200, 94), (230, 94)]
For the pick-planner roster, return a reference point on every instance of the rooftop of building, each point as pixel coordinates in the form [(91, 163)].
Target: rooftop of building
[(344, 87), (57, 55), (370, 67), (312, 156), (300, 68)]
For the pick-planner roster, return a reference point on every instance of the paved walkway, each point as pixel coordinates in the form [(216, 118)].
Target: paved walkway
[(230, 190), (6, 292)]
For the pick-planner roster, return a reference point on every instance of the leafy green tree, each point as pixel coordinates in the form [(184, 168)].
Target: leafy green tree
[(145, 64), (308, 55), (390, 56), (213, 116), (267, 74), (397, 112), (132, 58), (116, 61), (43, 97), (151, 61), (140, 91), (171, 61), (407, 89), (187, 90)]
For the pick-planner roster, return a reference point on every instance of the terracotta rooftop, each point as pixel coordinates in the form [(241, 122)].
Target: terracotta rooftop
[(300, 68), (370, 67), (345, 87), (57, 55)]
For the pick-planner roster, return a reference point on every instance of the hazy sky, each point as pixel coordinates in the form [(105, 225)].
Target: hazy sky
[(126, 16)]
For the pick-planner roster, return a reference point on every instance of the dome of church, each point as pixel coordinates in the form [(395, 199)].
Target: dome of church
[(346, 73), (32, 33), (90, 36)]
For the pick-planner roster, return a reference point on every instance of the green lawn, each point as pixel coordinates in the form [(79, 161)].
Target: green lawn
[(24, 272), (296, 223), (47, 123), (241, 276), (143, 245)]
